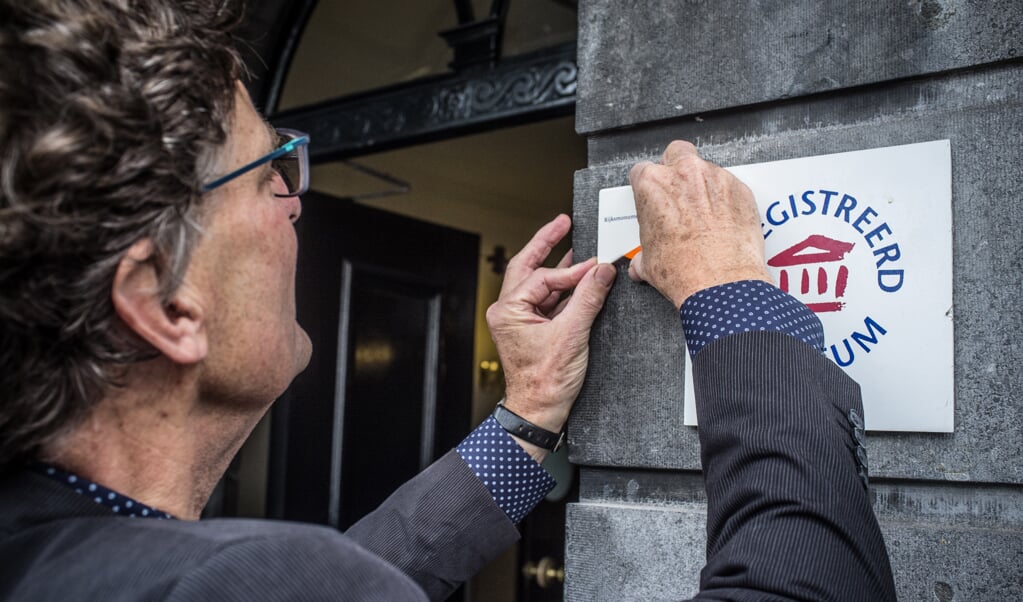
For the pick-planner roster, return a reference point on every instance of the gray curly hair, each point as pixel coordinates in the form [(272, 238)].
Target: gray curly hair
[(111, 116)]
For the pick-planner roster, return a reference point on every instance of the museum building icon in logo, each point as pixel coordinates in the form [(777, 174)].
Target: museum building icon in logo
[(815, 270)]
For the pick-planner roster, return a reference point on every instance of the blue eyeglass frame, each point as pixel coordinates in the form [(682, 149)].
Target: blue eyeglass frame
[(298, 144)]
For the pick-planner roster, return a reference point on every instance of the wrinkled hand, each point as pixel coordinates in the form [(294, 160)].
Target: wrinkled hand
[(698, 224), (541, 337)]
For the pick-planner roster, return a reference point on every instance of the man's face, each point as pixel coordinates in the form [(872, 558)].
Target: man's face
[(243, 273)]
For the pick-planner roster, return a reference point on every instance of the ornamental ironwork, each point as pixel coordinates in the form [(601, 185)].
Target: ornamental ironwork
[(518, 90)]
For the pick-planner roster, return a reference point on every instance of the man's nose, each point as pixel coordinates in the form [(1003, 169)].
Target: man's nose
[(294, 207)]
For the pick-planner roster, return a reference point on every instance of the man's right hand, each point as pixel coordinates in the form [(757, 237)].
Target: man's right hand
[(544, 340), (698, 224)]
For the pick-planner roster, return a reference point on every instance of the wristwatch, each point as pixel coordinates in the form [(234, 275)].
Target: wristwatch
[(520, 427)]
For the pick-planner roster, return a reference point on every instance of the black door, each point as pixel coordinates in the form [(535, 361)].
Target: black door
[(389, 303)]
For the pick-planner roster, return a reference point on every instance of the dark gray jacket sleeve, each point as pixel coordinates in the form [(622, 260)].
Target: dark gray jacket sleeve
[(440, 528), (788, 514)]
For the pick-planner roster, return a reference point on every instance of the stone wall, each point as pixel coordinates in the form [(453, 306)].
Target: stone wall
[(751, 81)]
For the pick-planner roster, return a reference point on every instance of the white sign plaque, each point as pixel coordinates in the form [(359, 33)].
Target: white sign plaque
[(863, 238)]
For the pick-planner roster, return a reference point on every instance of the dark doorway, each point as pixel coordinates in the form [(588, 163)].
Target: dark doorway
[(389, 303)]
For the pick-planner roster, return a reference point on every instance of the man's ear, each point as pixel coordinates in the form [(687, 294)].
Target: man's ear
[(176, 329)]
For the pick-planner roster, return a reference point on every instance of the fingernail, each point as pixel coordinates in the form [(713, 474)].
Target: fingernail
[(605, 274)]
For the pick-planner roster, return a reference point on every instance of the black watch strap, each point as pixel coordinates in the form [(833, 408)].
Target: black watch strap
[(520, 427)]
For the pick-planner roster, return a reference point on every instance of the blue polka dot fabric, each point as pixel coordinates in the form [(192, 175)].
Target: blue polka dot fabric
[(515, 480), (117, 503), (747, 306)]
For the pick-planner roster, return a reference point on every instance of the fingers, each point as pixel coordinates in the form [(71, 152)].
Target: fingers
[(559, 308), (551, 303), (589, 296), (532, 256), (636, 173), (543, 283), (677, 150), (636, 268), (566, 260)]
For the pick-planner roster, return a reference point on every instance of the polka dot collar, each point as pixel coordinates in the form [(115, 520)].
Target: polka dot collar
[(116, 502)]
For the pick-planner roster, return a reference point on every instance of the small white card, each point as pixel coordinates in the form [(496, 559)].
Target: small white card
[(863, 238), (618, 231)]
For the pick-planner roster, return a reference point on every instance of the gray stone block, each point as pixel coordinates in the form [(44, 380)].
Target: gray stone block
[(949, 542), (629, 411), (640, 535), (642, 553), (658, 59)]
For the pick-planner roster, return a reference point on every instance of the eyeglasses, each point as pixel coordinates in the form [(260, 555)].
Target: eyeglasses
[(290, 160)]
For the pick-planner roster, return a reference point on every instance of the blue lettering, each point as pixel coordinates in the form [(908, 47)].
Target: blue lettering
[(864, 218), (810, 206), (874, 332), (770, 217), (845, 206), (827, 199), (838, 359), (859, 337), (792, 204), (890, 287), (889, 253), (877, 233)]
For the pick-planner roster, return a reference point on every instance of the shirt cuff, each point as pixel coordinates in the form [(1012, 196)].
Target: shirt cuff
[(747, 306), (515, 480)]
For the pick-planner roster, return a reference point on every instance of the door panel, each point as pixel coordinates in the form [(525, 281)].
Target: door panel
[(389, 303), (389, 397)]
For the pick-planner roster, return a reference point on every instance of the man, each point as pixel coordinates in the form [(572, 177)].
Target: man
[(146, 286), (147, 295)]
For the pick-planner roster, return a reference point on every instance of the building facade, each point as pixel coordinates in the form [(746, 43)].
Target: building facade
[(750, 82)]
